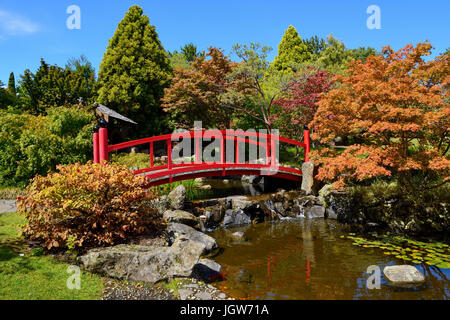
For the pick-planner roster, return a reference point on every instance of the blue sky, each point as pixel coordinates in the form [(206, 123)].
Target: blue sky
[(30, 30)]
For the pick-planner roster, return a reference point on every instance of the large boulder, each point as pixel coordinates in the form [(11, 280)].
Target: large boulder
[(180, 216), (147, 264), (177, 197), (404, 276), (235, 218), (178, 231)]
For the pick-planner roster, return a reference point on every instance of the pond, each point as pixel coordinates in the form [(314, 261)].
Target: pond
[(306, 259)]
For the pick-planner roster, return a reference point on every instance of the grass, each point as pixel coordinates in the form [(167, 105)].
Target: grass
[(10, 193), (26, 275)]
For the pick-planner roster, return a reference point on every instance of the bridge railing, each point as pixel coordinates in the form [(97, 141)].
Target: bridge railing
[(227, 138)]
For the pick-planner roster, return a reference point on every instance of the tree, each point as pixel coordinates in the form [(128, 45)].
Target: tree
[(256, 86), (12, 84), (299, 106), (291, 50), (335, 57), (134, 72), (178, 60), (53, 86), (6, 99), (315, 45), (190, 52), (396, 108), (195, 93), (82, 79), (362, 53)]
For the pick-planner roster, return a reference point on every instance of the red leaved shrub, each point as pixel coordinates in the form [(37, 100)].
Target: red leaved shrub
[(87, 205)]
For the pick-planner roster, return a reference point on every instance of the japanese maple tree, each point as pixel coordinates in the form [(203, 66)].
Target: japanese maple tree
[(396, 109), (195, 93), (300, 104)]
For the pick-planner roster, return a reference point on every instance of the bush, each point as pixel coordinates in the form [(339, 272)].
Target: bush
[(132, 160), (87, 205), (31, 145), (420, 214)]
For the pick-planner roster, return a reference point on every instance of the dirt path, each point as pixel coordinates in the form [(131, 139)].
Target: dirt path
[(7, 206)]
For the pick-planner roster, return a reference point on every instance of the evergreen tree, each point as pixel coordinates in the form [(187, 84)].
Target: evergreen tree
[(315, 45), (134, 72), (291, 50), (12, 84), (190, 52)]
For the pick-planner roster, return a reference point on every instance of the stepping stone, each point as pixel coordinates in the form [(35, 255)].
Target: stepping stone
[(404, 276)]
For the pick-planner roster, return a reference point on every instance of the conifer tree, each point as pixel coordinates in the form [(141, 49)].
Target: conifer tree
[(134, 72), (12, 84), (291, 50)]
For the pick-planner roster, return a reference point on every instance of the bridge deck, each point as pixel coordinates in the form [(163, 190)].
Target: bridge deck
[(164, 176)]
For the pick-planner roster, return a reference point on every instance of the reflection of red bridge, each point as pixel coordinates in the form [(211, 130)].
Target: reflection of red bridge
[(232, 143)]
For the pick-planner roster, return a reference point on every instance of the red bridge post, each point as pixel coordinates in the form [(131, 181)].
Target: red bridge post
[(307, 141), (95, 141), (103, 142)]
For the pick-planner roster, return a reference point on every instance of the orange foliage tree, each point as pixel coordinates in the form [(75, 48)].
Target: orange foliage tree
[(90, 205), (395, 107)]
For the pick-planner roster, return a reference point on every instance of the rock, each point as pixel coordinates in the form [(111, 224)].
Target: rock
[(178, 231), (330, 214), (222, 295), (185, 293), (238, 235), (177, 197), (280, 196), (279, 208), (225, 181), (207, 270), (164, 159), (307, 177), (180, 216), (404, 276), (315, 212), (147, 264), (253, 179), (324, 192), (206, 187), (235, 218), (240, 202), (203, 296), (198, 181)]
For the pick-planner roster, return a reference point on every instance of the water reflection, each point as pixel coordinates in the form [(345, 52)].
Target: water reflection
[(306, 259)]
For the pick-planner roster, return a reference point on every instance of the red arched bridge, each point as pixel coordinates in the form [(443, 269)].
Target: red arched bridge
[(229, 155)]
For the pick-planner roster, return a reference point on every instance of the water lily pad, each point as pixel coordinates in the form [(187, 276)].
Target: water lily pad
[(444, 265)]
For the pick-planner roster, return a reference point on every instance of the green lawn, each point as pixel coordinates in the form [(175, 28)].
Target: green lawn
[(32, 277)]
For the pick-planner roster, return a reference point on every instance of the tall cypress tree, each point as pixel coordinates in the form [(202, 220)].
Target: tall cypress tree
[(134, 72), (291, 50), (12, 84)]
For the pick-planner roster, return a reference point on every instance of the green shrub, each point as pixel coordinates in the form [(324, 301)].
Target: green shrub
[(31, 145), (132, 160), (87, 205)]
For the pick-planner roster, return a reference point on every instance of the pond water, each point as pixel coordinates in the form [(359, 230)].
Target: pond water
[(307, 259)]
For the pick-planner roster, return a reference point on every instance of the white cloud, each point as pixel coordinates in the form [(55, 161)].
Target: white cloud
[(13, 25)]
